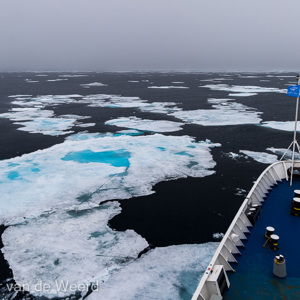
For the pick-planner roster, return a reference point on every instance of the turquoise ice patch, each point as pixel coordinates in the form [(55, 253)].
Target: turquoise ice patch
[(184, 153), (117, 158), (161, 148), (13, 175)]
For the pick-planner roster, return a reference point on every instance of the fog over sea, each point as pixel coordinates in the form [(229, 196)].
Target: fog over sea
[(121, 185)]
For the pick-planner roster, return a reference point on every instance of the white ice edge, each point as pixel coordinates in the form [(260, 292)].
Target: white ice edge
[(146, 125)]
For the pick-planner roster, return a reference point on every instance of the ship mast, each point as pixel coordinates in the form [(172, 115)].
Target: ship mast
[(294, 142)]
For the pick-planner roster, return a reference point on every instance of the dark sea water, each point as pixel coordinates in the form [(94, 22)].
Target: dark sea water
[(187, 210)]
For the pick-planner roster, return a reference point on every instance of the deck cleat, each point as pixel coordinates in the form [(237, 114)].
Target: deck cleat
[(273, 242), (295, 206)]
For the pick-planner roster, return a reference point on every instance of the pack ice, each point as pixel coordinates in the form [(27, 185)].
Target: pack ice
[(163, 273), (145, 124), (224, 113), (112, 167), (51, 200)]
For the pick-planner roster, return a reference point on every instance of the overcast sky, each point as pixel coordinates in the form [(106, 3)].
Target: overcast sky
[(95, 35)]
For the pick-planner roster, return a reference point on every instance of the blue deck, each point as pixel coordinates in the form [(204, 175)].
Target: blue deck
[(254, 278)]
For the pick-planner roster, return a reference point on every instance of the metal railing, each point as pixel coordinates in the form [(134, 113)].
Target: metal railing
[(224, 254)]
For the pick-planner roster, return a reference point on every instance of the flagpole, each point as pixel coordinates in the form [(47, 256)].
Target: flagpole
[(295, 133)]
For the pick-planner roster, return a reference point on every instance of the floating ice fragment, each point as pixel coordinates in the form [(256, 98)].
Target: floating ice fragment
[(234, 155), (16, 96), (160, 107), (240, 192), (242, 94), (216, 79), (69, 247), (60, 182), (248, 76), (30, 80), (146, 125), (242, 89), (26, 114), (73, 75), (87, 85), (168, 87), (86, 125), (218, 100), (113, 101), (285, 126), (48, 126), (163, 273), (59, 79), (281, 151), (261, 157), (218, 235), (229, 114)]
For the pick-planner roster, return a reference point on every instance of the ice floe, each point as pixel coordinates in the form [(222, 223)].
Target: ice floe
[(261, 157), (234, 155), (44, 100), (248, 76), (73, 75), (223, 114), (163, 273), (285, 126), (58, 79), (160, 107), (66, 248), (218, 235), (36, 120), (281, 151), (98, 168), (218, 100), (241, 94), (84, 135), (241, 192), (243, 89), (40, 120), (48, 126), (26, 114), (86, 125), (96, 84), (146, 125), (113, 101), (168, 87), (16, 96), (216, 79), (30, 80)]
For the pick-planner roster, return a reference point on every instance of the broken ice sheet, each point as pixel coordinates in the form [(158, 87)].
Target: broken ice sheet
[(163, 273), (243, 89), (284, 126), (230, 113), (146, 125), (95, 169), (261, 157), (69, 247)]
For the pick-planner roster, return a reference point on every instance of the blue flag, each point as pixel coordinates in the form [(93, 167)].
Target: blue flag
[(293, 90)]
